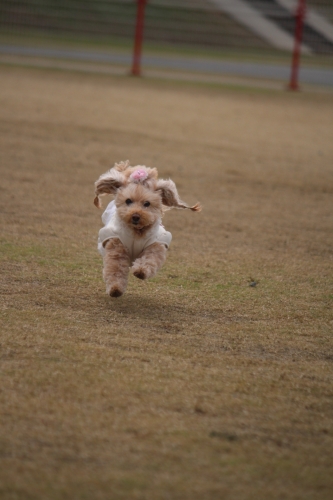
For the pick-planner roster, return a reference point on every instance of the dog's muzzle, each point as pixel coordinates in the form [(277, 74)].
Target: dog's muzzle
[(135, 219)]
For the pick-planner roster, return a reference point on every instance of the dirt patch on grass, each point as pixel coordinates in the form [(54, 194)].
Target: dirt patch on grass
[(194, 384)]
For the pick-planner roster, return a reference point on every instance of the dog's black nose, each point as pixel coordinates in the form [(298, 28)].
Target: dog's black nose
[(135, 219)]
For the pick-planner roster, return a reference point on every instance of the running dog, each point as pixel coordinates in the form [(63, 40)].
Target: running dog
[(133, 233)]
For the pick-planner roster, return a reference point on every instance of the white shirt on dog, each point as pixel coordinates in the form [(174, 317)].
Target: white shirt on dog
[(115, 228)]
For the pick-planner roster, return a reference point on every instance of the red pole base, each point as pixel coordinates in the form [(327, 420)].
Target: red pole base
[(293, 87)]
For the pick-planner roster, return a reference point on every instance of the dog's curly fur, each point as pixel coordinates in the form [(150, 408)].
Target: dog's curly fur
[(140, 199)]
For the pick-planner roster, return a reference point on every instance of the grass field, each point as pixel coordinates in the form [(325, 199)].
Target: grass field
[(194, 385)]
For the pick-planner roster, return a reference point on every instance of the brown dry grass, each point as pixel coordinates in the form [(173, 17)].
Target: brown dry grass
[(193, 385)]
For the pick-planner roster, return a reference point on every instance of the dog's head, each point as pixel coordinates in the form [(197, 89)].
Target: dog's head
[(139, 195), (138, 206)]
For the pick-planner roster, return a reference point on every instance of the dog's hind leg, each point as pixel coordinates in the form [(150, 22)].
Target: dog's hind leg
[(150, 261), (116, 266)]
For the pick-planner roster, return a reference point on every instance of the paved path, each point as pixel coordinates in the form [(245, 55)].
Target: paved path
[(314, 76)]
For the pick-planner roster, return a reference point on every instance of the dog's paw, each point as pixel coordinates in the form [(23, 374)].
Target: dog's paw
[(140, 273), (114, 291)]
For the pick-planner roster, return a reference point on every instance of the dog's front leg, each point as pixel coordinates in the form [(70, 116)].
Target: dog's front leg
[(116, 265), (150, 261)]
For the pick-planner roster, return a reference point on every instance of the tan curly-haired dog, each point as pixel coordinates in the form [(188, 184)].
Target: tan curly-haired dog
[(133, 233)]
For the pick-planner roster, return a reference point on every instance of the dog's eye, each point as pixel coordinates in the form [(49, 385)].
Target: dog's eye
[(128, 201), (146, 204)]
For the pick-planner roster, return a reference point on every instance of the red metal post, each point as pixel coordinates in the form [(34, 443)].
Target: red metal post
[(299, 23), (140, 16)]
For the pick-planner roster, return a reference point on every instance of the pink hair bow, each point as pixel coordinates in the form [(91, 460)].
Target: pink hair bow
[(139, 175)]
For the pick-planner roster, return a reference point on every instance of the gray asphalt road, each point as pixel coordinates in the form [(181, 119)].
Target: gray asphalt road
[(315, 76)]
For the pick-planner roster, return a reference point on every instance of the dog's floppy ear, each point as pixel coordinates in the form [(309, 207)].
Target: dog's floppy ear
[(109, 182), (170, 196)]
